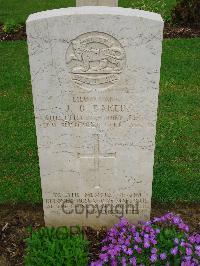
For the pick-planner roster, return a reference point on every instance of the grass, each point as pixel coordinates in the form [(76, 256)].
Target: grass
[(19, 163), (56, 246), (176, 168), (176, 159), (20, 9), (163, 7)]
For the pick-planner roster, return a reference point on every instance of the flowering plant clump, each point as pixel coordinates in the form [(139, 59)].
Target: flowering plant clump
[(162, 241)]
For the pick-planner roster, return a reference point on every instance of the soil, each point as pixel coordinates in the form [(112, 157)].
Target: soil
[(15, 219), (19, 35), (170, 32)]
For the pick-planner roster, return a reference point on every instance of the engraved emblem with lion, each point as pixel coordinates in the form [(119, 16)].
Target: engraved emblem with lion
[(95, 56)]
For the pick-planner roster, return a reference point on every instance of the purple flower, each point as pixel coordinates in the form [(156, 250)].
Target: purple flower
[(176, 220), (112, 252), (117, 248), (123, 222), (182, 243), (146, 244), (147, 223), (192, 239), (176, 241), (186, 263), (184, 227), (114, 241), (196, 261), (123, 261), (120, 240), (167, 216), (124, 229), (163, 256), (154, 250), (157, 219), (133, 261), (157, 231), (138, 249), (197, 250), (147, 228), (153, 241), (113, 263), (113, 232), (103, 257), (124, 248), (187, 258), (129, 251), (104, 240), (133, 229), (174, 251), (188, 251), (197, 238), (153, 258), (127, 242), (137, 238), (97, 263), (104, 248)]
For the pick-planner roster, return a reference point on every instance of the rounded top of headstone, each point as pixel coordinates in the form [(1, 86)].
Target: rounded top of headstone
[(94, 10)]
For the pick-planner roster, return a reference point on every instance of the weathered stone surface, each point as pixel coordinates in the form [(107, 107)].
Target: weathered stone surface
[(97, 3), (95, 79)]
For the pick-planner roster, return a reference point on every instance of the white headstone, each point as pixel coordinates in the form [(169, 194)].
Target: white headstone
[(95, 80), (97, 3)]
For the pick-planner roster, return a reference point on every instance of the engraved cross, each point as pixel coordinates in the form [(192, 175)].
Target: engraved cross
[(96, 156)]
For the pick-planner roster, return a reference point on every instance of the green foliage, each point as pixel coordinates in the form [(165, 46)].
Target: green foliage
[(187, 13), (56, 246), (10, 26), (166, 243)]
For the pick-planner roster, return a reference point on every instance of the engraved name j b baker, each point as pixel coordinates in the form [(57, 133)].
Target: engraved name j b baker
[(95, 60)]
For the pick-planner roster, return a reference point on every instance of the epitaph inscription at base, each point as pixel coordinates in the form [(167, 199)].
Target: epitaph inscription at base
[(95, 78)]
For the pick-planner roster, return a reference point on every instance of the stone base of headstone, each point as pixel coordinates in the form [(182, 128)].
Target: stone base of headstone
[(113, 3)]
